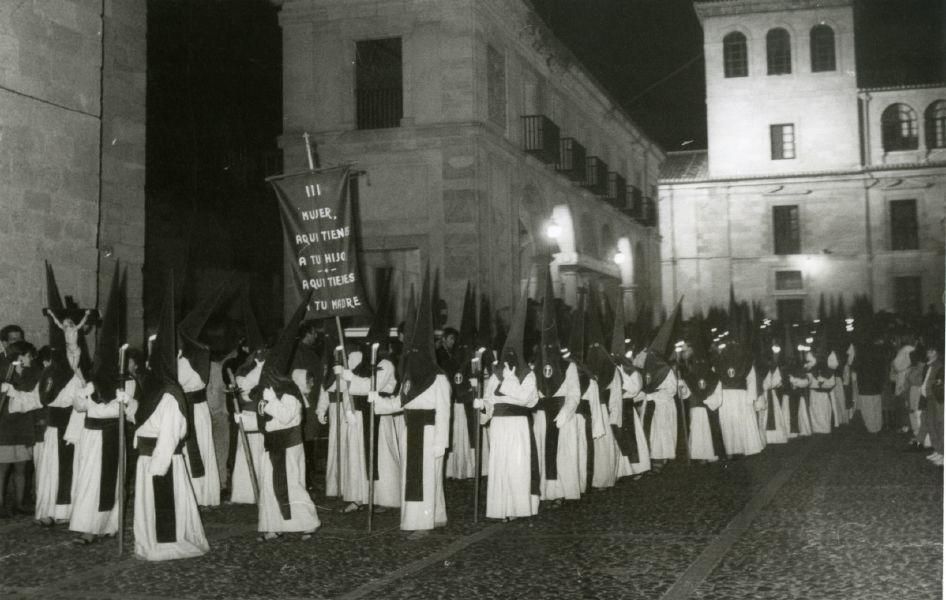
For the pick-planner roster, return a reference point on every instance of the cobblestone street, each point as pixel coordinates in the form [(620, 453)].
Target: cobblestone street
[(842, 516)]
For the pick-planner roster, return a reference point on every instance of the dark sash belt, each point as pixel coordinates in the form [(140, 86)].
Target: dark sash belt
[(551, 407), (276, 443), (626, 434), (361, 404), (193, 447), (848, 396), (165, 514), (770, 417), (59, 419), (416, 420), (584, 409), (716, 432), (108, 474), (501, 410)]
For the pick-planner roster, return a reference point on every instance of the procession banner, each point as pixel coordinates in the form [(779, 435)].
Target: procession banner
[(316, 212)]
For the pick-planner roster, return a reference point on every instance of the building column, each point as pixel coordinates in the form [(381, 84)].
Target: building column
[(629, 300)]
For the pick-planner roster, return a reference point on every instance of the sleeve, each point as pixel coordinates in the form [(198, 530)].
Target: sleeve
[(751, 386), (616, 400), (518, 392), (171, 430), (632, 384), (284, 409), (107, 410), (489, 396), (299, 378), (715, 400), (360, 386), (21, 402), (683, 389), (572, 390), (441, 416), (321, 407), (597, 415), (386, 405)]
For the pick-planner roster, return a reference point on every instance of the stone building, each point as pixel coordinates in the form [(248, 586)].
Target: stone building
[(72, 153), (810, 185), (477, 133)]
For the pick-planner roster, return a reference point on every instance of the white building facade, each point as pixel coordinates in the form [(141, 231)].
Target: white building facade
[(810, 186)]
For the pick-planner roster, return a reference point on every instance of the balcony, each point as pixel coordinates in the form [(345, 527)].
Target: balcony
[(378, 108), (635, 203), (571, 159), (540, 138), (596, 176), (617, 190), (649, 212)]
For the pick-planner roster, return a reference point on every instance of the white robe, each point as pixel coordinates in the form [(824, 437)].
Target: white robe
[(430, 512), (461, 458), (241, 486), (206, 488), (700, 432), (169, 426), (631, 386), (597, 432), (508, 491), (286, 413), (822, 403), (737, 418), (804, 423), (390, 431), (772, 385), (47, 472), (568, 483), (606, 448), (86, 516), (663, 427), (336, 462)]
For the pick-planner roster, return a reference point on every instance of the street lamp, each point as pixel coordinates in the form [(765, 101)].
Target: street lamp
[(619, 258), (553, 230)]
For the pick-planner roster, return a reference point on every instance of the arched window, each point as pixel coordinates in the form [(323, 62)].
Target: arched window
[(936, 125), (778, 52), (822, 49), (735, 55), (898, 128), (589, 239)]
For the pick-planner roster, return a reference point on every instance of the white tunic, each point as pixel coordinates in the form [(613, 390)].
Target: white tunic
[(168, 425), (336, 461), (606, 448), (701, 434), (241, 486), (822, 403), (631, 386), (86, 516), (737, 418), (772, 387), (663, 428), (286, 413), (568, 482), (804, 424), (597, 432), (432, 510), (206, 488), (387, 488), (461, 458), (508, 492)]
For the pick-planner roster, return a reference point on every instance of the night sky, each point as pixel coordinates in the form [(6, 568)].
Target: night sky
[(215, 107)]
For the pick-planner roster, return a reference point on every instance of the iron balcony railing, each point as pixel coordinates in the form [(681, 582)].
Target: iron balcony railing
[(571, 159), (540, 137), (649, 217), (378, 108), (617, 190), (596, 176)]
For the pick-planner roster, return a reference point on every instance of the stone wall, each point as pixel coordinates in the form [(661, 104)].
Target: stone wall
[(52, 191)]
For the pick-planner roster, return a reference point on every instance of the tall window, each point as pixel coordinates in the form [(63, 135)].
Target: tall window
[(735, 55), (496, 86), (379, 96), (903, 226), (778, 52), (822, 49), (786, 229), (936, 125), (789, 281), (898, 128), (782, 137), (906, 295)]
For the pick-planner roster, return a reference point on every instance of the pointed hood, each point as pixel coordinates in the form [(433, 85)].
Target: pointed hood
[(549, 365), (57, 338), (662, 342), (466, 341), (105, 370), (484, 334), (513, 350), (379, 331), (410, 316), (163, 357), (54, 377), (254, 337), (575, 347), (419, 362), (597, 359), (275, 372), (192, 325), (619, 347)]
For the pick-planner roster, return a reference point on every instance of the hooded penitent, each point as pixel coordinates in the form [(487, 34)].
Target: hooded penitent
[(379, 330), (656, 366), (484, 336), (465, 347), (195, 351), (549, 365), (54, 377), (162, 360), (596, 358), (513, 349), (419, 363)]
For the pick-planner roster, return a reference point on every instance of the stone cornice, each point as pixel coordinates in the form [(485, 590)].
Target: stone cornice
[(720, 8)]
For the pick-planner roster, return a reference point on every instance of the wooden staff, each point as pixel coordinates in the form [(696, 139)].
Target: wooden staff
[(338, 423), (123, 375), (244, 439), (476, 367), (371, 432)]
